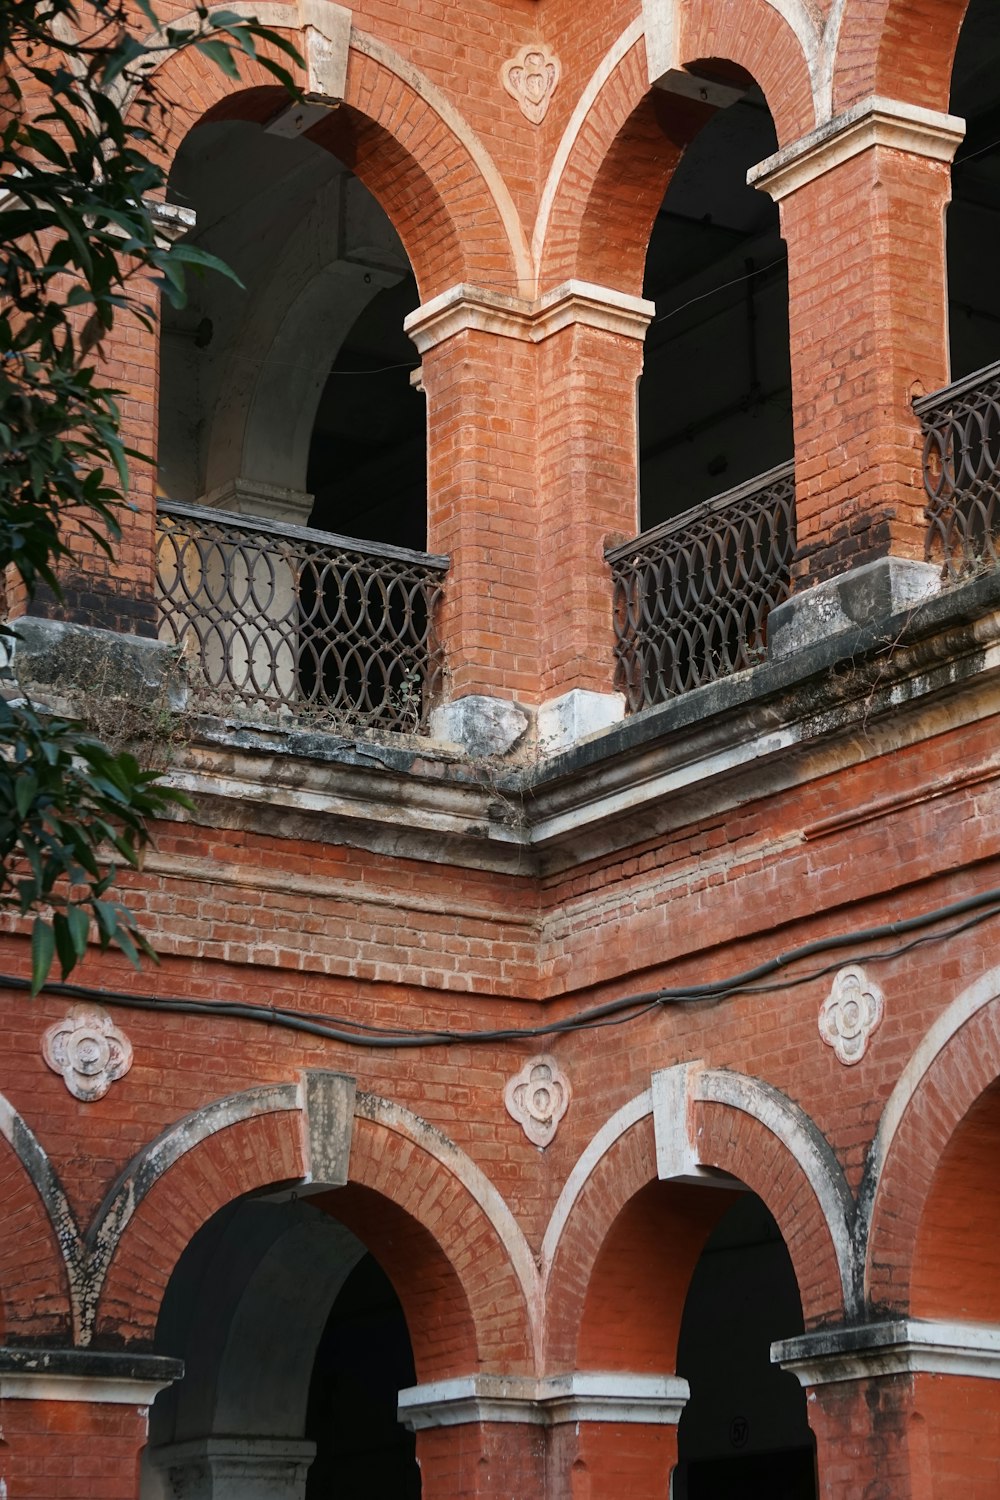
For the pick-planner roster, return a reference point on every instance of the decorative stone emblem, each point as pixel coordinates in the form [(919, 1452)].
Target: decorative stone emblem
[(531, 78), (851, 1014), (88, 1050), (537, 1098)]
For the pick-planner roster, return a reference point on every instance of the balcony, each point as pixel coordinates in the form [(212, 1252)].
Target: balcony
[(961, 468), (692, 596), (299, 627)]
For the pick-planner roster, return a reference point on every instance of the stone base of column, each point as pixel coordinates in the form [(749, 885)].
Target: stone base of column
[(235, 1468), (861, 597)]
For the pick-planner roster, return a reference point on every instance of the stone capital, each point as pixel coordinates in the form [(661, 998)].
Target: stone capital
[(871, 122), (900, 1346), (94, 1377), (464, 307), (582, 1396)]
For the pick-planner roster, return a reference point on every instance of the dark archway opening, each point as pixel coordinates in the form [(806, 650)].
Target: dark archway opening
[(295, 1348), (367, 467), (363, 1361), (287, 393), (715, 395), (744, 1434), (974, 213)]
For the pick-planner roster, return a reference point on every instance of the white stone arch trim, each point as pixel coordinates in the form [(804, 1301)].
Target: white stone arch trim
[(402, 1122), (442, 106), (773, 1109), (45, 1180), (805, 1142), (963, 1008), (816, 35), (612, 1130)]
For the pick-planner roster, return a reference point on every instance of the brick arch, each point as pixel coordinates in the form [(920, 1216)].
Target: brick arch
[(615, 1216), (928, 1149), (430, 175), (250, 1155), (747, 1148), (899, 49), (624, 141), (34, 1297), (460, 1266), (416, 1213)]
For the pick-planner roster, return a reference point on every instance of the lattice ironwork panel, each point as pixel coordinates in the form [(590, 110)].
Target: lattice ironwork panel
[(692, 597), (962, 473), (299, 625)]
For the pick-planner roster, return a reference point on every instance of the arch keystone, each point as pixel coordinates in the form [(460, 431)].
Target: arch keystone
[(328, 1126)]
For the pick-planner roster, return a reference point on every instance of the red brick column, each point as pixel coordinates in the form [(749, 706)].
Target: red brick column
[(863, 1439), (74, 1424), (905, 1409), (118, 592), (587, 480), (593, 1460), (480, 387), (581, 1436), (482, 1461), (531, 473), (862, 211)]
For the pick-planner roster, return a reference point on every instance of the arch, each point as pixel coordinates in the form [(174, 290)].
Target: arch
[(459, 1262), (624, 139), (753, 1131), (898, 49), (955, 1064), (34, 1290), (416, 1169), (604, 1216), (146, 1238), (400, 136)]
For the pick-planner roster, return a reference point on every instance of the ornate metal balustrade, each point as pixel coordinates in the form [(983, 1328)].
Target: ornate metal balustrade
[(298, 625), (692, 597), (962, 472)]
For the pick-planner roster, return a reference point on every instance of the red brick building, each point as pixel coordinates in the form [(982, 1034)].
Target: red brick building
[(578, 1022)]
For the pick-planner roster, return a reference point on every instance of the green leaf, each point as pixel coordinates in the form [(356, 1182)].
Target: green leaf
[(43, 949), (220, 53)]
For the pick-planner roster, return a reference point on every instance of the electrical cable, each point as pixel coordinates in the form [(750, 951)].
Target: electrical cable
[(977, 909)]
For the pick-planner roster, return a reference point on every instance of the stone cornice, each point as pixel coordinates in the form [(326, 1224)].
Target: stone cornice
[(775, 726), (904, 1346), (584, 1396), (872, 122), (465, 307)]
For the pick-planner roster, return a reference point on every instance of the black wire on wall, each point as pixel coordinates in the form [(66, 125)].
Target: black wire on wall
[(753, 981)]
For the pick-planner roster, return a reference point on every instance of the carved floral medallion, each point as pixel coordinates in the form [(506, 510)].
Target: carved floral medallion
[(531, 78), (851, 1013), (89, 1050), (537, 1098)]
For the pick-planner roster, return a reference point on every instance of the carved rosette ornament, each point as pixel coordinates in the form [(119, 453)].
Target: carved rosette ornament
[(851, 1013), (89, 1050), (537, 1098), (531, 78)]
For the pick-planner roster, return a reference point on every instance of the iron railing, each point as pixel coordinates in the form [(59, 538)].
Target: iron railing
[(297, 625), (692, 597), (962, 473)]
